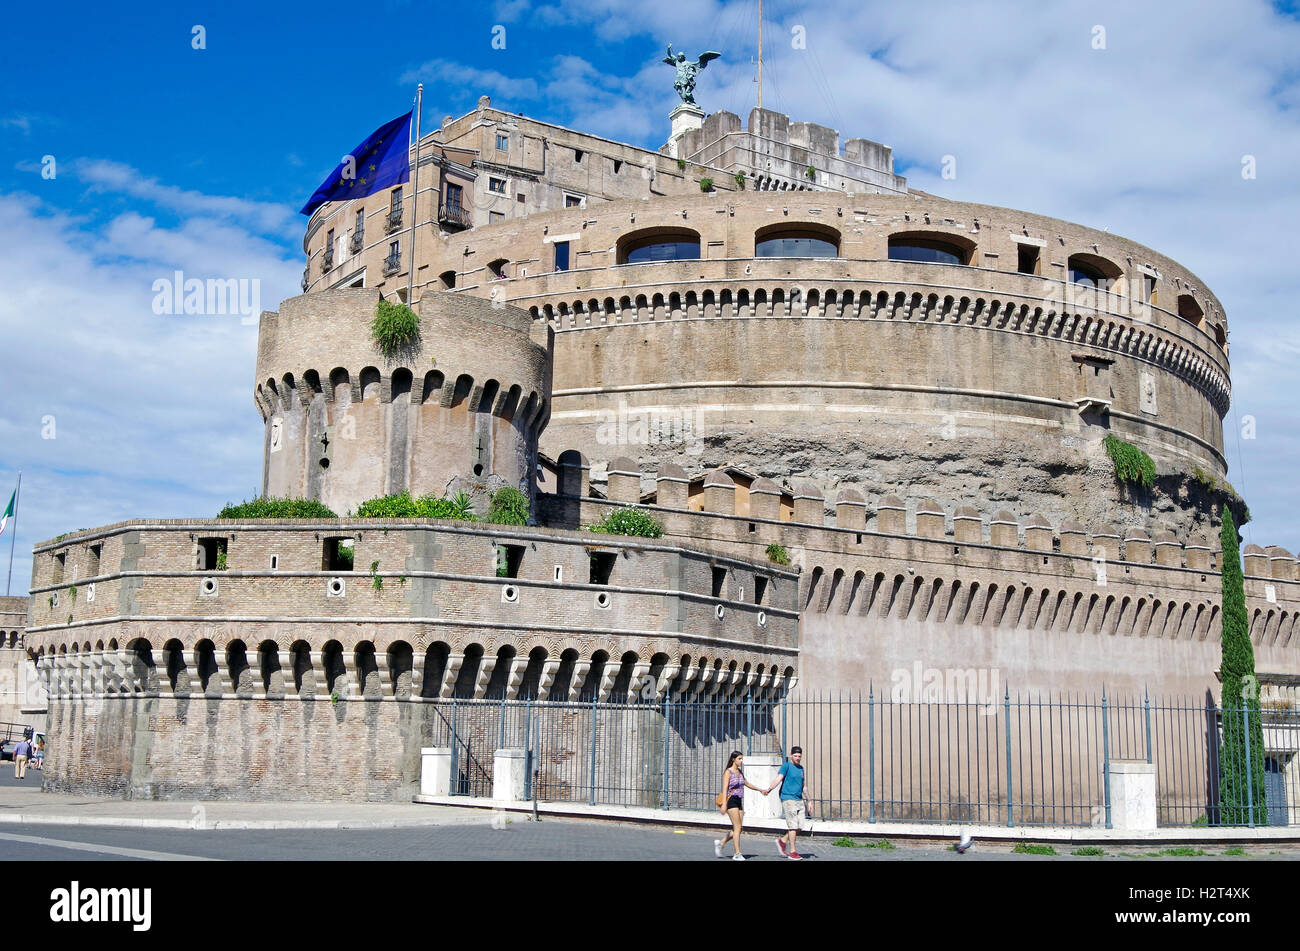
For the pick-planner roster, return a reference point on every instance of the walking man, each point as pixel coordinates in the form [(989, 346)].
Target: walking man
[(21, 752), (793, 791)]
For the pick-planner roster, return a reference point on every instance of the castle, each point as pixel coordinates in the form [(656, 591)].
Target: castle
[(769, 343)]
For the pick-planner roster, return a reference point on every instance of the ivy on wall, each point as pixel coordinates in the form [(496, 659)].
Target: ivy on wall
[(1132, 465)]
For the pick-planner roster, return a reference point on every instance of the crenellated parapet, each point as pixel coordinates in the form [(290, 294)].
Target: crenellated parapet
[(465, 405), (911, 559)]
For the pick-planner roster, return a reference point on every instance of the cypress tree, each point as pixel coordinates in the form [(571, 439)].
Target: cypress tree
[(1241, 777)]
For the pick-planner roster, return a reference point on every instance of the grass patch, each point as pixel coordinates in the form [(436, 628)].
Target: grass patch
[(845, 842), (1235, 850), (1183, 852), (1089, 850), (1028, 848)]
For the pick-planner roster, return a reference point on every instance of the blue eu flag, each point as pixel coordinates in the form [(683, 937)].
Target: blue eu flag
[(381, 161)]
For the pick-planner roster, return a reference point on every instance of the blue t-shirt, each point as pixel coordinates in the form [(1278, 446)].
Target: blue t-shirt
[(792, 780)]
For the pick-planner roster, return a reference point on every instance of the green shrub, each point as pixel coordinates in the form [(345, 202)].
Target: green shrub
[(681, 164), (1026, 848), (629, 521), (221, 560), (1132, 465), (1235, 850), (706, 184), (402, 505), (778, 554), (1089, 850), (347, 557), (276, 508), (395, 328), (740, 180), (376, 582), (812, 171), (509, 506), (72, 593), (1183, 852)]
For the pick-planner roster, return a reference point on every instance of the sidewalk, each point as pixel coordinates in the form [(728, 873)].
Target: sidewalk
[(28, 806)]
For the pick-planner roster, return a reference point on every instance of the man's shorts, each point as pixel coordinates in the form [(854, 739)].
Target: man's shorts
[(794, 813)]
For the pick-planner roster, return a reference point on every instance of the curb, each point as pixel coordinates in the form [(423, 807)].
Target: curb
[(217, 825)]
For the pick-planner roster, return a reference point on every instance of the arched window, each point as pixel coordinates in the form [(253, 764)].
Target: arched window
[(1189, 310), (797, 241), (659, 244), (498, 269), (1092, 271), (930, 248)]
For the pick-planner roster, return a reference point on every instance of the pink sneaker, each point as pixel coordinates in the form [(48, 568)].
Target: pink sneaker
[(780, 844), (793, 855)]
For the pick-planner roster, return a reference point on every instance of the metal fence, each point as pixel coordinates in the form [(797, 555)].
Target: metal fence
[(1013, 761)]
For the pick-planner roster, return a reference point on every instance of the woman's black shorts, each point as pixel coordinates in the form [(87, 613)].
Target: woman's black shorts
[(735, 802)]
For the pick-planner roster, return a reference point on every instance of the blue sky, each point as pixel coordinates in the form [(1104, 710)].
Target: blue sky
[(169, 157)]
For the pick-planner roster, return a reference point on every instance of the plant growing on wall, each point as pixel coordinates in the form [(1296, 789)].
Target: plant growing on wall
[(347, 556), (376, 582), (1241, 778), (509, 506), (740, 180), (681, 164), (629, 521), (1132, 465), (72, 593), (778, 554), (395, 328), (276, 508), (221, 560), (812, 172), (402, 505), (706, 184)]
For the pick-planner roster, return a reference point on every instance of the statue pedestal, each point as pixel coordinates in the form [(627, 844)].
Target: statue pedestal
[(685, 118)]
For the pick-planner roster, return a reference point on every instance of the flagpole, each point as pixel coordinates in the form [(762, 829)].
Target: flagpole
[(415, 204), (17, 497)]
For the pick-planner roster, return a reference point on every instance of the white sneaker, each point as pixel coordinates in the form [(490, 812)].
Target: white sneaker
[(717, 848), (738, 857)]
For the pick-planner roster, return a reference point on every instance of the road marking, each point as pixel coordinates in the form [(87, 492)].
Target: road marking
[(107, 849)]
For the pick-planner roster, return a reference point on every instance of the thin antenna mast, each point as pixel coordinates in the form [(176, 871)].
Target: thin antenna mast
[(760, 54)]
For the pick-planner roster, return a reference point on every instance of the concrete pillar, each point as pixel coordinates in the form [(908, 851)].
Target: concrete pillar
[(760, 769), (435, 771), (508, 769), (1132, 795)]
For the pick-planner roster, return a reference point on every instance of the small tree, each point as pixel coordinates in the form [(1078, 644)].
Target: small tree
[(1241, 771)]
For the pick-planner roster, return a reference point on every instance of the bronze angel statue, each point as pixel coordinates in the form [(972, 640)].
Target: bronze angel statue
[(685, 82)]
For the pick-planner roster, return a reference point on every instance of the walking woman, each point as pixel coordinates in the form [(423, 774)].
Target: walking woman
[(732, 802)]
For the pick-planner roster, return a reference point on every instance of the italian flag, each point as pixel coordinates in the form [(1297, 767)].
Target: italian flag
[(8, 512)]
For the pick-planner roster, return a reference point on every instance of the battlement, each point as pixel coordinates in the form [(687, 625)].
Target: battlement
[(960, 566)]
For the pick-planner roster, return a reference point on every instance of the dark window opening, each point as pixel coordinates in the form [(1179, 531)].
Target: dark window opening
[(760, 588), (1027, 259), (561, 255), (338, 554), (509, 557), (497, 185), (92, 560), (577, 156), (60, 562), (719, 579), (572, 201), (212, 553), (618, 166), (602, 564), (664, 251), (447, 279)]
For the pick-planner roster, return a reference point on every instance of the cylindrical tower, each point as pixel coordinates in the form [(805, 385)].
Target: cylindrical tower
[(462, 409)]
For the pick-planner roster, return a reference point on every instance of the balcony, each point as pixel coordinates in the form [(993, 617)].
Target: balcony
[(394, 218), (326, 260), (392, 264), (357, 242), (455, 215)]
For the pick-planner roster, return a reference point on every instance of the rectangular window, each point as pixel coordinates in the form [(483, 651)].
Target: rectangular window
[(454, 193), (394, 250), (60, 563), (602, 566), (494, 216), (561, 255), (509, 557), (92, 559), (618, 166), (719, 580), (338, 554), (1027, 259), (329, 242), (577, 156), (395, 200), (572, 201), (503, 143), (361, 221), (212, 554), (520, 198), (497, 185), (760, 588)]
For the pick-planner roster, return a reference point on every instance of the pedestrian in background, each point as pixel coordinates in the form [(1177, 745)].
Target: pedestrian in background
[(21, 754), (790, 777), (732, 802)]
